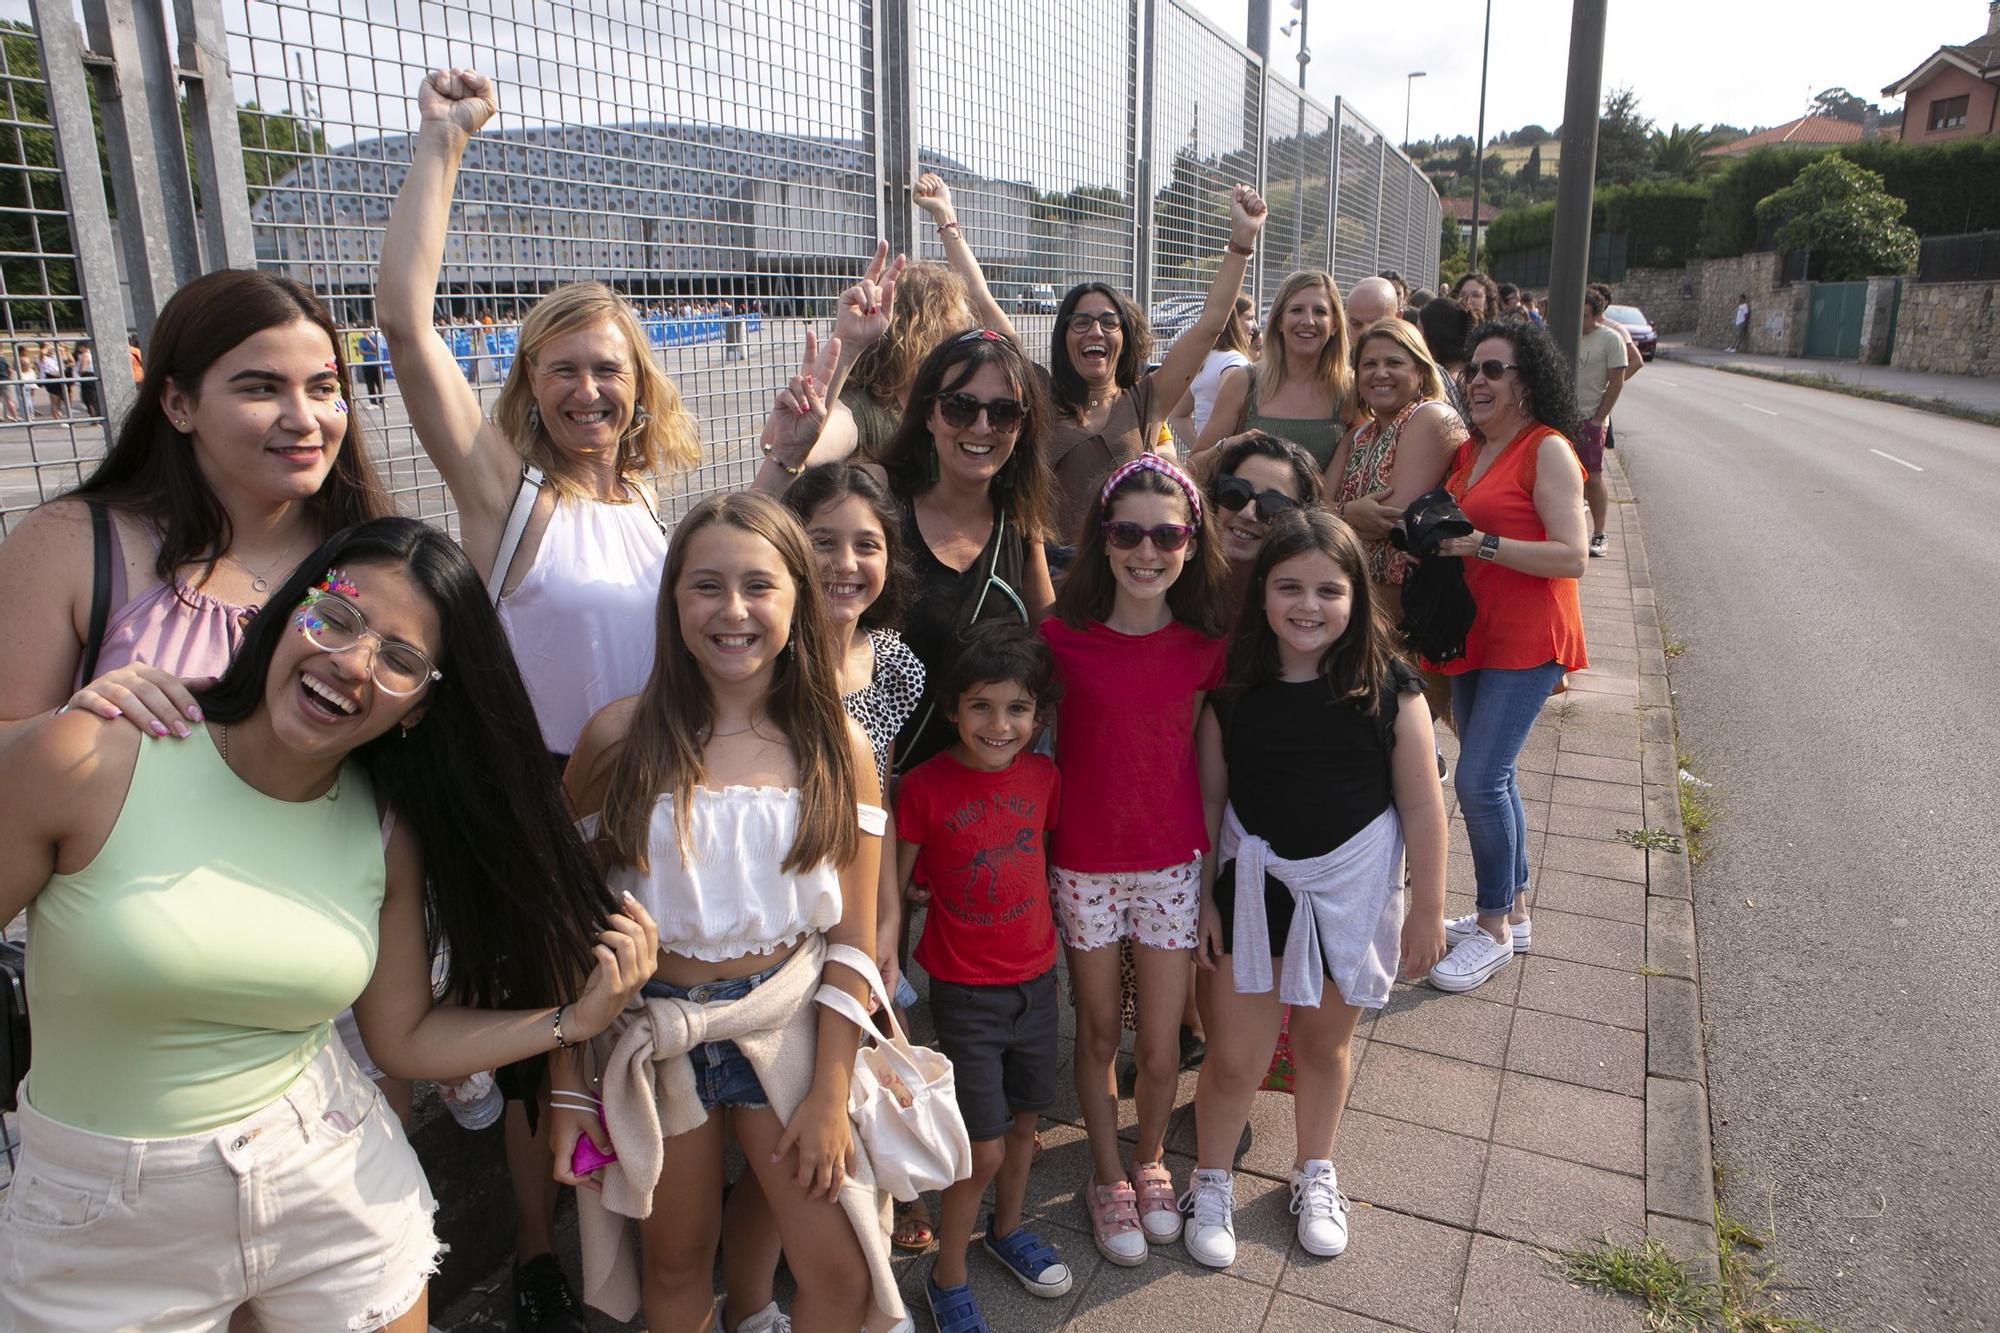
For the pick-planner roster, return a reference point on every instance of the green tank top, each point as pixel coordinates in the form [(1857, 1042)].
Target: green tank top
[(188, 975), (1318, 436)]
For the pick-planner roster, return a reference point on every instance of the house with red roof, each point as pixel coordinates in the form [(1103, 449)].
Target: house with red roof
[(1805, 132), (1955, 94)]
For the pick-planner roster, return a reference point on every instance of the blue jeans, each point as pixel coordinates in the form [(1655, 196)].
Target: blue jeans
[(1494, 710), (722, 1073)]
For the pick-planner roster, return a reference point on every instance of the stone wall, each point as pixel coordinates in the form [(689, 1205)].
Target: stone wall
[(1948, 328), (1669, 297), (1777, 312)]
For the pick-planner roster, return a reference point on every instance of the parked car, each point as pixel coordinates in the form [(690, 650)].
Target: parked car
[(1041, 299), (1172, 316), (1635, 324)]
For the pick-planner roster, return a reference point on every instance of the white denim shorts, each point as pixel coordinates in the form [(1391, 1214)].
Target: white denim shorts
[(1156, 908), (313, 1211)]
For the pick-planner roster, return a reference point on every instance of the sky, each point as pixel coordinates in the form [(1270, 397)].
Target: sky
[(1748, 63)]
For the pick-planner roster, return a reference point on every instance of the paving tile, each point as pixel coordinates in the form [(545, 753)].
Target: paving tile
[(1160, 1292), (1454, 1095), (1589, 939), (1693, 1243), (1397, 1267), (1294, 1314), (1592, 741), (1574, 1051), (1621, 796), (1588, 821), (1587, 895), (1510, 1287), (1673, 1029), (1680, 1174), (1593, 682), (1462, 1027), (1600, 1129), (1600, 994), (1589, 856), (1546, 1201), (1535, 786), (1411, 1169)]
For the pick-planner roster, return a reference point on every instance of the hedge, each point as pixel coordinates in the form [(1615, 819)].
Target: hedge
[(1661, 221)]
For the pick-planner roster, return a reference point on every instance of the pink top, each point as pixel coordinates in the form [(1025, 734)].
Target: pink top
[(170, 625), (1131, 796)]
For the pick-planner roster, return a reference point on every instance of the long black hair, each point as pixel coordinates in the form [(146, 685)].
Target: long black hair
[(150, 470), (507, 881), (1357, 664), (1025, 483), (1066, 383), (1546, 386)]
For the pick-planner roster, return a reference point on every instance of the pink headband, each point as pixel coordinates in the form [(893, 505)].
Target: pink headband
[(1155, 463)]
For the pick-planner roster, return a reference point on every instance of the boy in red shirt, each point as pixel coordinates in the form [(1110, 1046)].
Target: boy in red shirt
[(971, 828)]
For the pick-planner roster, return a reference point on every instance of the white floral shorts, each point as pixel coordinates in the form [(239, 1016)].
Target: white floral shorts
[(1156, 908)]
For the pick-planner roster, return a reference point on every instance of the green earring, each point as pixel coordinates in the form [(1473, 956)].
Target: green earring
[(932, 466)]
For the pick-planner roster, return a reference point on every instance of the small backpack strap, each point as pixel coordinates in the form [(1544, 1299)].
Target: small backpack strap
[(532, 481), (100, 587)]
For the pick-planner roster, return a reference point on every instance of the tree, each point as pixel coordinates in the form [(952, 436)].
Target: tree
[(1531, 170), (1840, 214), (1682, 154), (1841, 105), (275, 145), (1624, 140), (1528, 136)]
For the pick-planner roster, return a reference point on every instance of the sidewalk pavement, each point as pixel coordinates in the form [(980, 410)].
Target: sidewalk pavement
[(1967, 391), (1561, 1103)]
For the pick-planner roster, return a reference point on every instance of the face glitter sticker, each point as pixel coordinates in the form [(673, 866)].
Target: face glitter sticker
[(336, 584), (340, 406)]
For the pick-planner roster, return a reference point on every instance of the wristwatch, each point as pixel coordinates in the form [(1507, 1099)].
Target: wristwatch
[(1489, 546)]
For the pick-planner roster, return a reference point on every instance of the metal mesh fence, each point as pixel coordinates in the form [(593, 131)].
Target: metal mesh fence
[(51, 404), (728, 167)]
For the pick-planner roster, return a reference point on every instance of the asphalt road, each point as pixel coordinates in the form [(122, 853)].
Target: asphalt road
[(1833, 568)]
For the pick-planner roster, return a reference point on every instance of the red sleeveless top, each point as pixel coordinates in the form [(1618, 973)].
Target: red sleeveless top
[(1521, 620)]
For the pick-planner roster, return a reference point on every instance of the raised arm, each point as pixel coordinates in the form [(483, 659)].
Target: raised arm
[(934, 197), (1182, 363), (477, 464)]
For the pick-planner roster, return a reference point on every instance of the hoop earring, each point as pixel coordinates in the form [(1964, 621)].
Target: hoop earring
[(641, 418), (534, 418)]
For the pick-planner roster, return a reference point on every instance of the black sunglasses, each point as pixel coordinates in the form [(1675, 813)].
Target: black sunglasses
[(1232, 493), (1166, 536), (1108, 320), (962, 409), (1492, 370)]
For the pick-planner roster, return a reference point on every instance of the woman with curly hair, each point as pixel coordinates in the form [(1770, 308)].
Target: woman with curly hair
[(1480, 296), (1519, 482)]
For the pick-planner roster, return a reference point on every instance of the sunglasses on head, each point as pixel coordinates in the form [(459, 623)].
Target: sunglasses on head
[(962, 409), (1166, 536), (1232, 493), (1492, 370)]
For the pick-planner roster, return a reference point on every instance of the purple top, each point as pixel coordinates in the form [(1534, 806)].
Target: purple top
[(170, 626)]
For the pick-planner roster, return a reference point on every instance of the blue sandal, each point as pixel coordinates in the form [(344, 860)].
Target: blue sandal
[(954, 1309), (1032, 1262)]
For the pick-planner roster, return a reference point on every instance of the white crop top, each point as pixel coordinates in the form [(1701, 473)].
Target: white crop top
[(731, 896)]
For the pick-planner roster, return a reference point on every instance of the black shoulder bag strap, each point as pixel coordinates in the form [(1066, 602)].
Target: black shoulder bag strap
[(100, 586)]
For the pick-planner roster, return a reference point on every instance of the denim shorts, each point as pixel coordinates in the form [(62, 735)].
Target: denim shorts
[(722, 1074)]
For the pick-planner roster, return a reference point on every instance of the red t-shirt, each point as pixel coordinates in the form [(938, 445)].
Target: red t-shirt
[(1125, 740), (982, 853)]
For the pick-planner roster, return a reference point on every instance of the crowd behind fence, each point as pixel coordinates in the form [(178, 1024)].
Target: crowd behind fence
[(728, 169)]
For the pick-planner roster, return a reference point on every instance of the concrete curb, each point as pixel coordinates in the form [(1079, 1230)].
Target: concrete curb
[(1680, 1161)]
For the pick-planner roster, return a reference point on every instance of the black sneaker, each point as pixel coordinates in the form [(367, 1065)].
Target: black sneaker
[(543, 1302), (1193, 1049), (1597, 544)]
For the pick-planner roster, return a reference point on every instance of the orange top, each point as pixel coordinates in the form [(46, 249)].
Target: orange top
[(1520, 620)]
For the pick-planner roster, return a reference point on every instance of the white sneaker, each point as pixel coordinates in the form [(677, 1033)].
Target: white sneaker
[(1321, 1209), (1463, 927), (1210, 1234), (770, 1319), (1471, 961)]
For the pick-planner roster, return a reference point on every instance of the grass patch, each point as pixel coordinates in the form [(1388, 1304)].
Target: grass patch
[(1674, 648), (1697, 809), (1743, 1299), (1943, 407)]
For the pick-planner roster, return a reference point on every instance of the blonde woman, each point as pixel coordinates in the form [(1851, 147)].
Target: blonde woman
[(1300, 387), (584, 420), (1397, 453)]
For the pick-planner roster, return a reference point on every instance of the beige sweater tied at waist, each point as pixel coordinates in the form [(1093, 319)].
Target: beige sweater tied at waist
[(649, 1096)]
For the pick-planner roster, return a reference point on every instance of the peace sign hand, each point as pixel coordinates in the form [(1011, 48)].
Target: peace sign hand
[(799, 411), (459, 97), (865, 307)]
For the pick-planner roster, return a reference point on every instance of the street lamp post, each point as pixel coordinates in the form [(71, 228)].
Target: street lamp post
[(1479, 143), (1298, 143), (1409, 86)]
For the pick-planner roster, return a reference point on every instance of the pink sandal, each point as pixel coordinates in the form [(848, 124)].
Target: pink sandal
[(1114, 1223), (1159, 1217)]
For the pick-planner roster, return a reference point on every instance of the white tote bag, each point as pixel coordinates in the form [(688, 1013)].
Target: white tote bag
[(903, 1100)]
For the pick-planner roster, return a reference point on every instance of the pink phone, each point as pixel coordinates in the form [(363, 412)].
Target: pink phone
[(586, 1157)]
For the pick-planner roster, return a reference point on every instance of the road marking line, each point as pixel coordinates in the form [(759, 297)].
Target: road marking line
[(1666, 384), (1754, 408), (1893, 459)]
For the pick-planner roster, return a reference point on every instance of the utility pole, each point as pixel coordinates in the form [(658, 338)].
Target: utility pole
[(1479, 142), (1569, 265), (1258, 35), (1409, 87)]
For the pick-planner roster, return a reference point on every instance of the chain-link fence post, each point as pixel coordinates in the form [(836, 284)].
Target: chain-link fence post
[(894, 90), (216, 137), (1381, 181), (1144, 67), (62, 56)]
